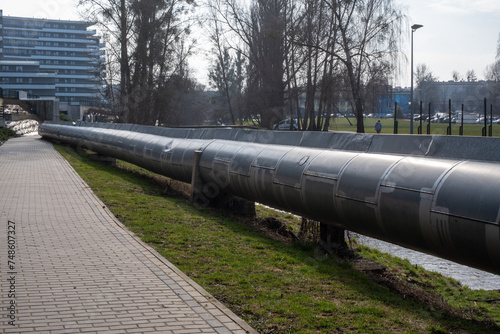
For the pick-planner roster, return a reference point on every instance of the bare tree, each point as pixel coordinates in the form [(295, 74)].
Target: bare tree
[(266, 58), (317, 65), (492, 74), (146, 39), (471, 76), (369, 34), (226, 74), (376, 86), (258, 33), (114, 18), (492, 71), (299, 51), (426, 89)]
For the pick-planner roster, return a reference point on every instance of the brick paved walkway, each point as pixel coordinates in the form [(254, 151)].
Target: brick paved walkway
[(68, 266)]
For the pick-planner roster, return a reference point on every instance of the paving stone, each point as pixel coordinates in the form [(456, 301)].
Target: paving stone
[(76, 269)]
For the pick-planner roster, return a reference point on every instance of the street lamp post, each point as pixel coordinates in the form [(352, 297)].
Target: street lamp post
[(413, 29)]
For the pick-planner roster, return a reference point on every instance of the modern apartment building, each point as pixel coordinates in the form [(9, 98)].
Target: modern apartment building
[(51, 59), (27, 76)]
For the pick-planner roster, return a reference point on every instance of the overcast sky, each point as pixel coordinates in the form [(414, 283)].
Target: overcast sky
[(457, 35)]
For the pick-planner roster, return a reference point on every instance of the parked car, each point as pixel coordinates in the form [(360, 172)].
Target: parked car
[(480, 120), (285, 125)]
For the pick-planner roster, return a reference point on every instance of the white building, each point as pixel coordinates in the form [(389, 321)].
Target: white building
[(51, 59)]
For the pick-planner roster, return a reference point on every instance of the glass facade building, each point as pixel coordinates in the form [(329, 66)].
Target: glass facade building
[(52, 59)]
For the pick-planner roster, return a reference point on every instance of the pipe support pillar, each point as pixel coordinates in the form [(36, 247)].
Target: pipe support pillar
[(203, 194)]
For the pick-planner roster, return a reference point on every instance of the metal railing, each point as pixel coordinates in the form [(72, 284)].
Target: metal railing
[(486, 119)]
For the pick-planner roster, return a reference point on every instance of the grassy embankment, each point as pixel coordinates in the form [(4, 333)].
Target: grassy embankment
[(278, 286)]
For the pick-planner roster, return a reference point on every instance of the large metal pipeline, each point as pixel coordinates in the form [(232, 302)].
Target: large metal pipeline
[(423, 200)]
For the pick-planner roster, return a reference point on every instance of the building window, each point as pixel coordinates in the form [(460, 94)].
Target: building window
[(19, 68)]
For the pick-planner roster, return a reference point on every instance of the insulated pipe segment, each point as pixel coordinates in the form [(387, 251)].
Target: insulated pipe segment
[(446, 207)]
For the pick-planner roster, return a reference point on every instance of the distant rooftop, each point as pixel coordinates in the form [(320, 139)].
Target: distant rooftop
[(45, 19)]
